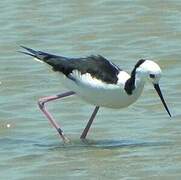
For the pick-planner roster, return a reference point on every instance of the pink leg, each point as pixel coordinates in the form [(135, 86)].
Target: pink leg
[(84, 133), (43, 101)]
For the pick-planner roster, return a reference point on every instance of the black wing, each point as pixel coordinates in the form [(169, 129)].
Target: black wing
[(97, 66)]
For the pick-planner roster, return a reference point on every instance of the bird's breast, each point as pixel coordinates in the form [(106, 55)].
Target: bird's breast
[(111, 96), (99, 93)]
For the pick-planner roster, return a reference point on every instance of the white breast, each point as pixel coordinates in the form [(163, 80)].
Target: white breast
[(98, 93)]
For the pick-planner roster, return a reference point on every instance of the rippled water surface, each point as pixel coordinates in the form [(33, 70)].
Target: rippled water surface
[(139, 142)]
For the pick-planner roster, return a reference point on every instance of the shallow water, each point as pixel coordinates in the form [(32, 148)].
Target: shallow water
[(140, 142)]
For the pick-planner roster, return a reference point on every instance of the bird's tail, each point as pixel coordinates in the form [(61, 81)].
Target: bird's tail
[(58, 63), (38, 55)]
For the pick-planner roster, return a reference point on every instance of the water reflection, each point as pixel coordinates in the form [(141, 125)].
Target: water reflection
[(103, 144)]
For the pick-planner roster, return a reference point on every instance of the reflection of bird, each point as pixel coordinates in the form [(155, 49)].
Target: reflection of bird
[(99, 82)]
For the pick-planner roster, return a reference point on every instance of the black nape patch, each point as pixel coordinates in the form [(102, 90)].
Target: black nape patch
[(141, 61), (130, 83)]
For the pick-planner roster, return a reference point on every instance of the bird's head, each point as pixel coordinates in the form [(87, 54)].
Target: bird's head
[(150, 71)]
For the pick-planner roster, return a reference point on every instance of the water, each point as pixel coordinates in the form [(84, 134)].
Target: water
[(140, 142)]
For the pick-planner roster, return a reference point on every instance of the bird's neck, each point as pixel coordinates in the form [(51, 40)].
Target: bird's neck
[(134, 83)]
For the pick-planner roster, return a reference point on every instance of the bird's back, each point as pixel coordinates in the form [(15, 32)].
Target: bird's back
[(97, 66)]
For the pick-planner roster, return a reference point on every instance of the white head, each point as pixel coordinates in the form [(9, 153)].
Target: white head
[(150, 71)]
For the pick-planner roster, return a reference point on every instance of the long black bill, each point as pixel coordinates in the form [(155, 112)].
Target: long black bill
[(157, 88)]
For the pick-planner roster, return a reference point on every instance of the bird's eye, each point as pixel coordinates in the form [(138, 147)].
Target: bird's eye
[(152, 76)]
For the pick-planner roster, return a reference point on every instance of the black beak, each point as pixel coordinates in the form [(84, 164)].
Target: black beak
[(157, 88)]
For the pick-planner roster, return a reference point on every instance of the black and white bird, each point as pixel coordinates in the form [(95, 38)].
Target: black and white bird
[(99, 82)]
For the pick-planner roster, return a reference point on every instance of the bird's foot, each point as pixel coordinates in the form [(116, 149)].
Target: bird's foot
[(84, 140), (65, 139)]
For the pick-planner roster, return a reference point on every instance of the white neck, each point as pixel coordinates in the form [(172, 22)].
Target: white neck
[(139, 85), (139, 80)]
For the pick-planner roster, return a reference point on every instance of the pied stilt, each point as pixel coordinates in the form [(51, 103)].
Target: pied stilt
[(99, 82)]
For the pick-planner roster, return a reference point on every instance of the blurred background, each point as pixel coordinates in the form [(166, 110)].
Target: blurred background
[(139, 142)]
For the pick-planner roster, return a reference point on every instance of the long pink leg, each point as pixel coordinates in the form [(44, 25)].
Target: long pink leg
[(42, 102), (84, 133)]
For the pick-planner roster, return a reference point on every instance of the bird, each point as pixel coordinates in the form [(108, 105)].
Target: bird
[(97, 81)]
